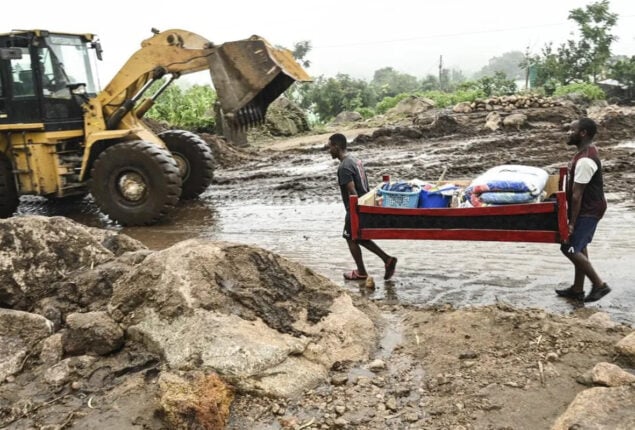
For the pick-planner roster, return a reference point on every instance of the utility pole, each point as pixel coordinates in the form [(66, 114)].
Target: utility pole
[(441, 72)]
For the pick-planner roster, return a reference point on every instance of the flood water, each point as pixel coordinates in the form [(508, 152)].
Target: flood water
[(461, 273)]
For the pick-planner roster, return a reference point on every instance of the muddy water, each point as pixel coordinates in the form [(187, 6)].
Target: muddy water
[(429, 272), (288, 203)]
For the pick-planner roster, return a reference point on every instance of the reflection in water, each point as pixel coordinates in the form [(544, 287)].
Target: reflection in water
[(429, 272)]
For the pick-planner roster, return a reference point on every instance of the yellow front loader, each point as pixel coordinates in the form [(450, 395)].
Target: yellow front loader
[(60, 136)]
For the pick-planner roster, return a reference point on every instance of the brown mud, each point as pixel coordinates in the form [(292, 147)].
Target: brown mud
[(474, 337)]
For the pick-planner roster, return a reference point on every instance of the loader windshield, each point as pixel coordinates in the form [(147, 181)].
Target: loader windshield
[(65, 60)]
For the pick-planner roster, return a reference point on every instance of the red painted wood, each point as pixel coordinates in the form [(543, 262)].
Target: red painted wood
[(460, 234), (563, 217), (522, 209), (354, 213)]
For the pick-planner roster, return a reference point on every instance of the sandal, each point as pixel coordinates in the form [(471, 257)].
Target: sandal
[(354, 275), (390, 268)]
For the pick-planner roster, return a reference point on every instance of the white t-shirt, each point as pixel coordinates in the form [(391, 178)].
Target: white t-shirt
[(584, 170)]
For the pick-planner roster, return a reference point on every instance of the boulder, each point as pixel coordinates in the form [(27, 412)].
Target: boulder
[(600, 408), (93, 333), (347, 117), (626, 348), (411, 106), (463, 107), (493, 121), (515, 120), (37, 251), (265, 323)]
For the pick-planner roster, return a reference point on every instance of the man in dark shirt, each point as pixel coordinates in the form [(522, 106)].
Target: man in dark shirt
[(352, 181), (586, 204)]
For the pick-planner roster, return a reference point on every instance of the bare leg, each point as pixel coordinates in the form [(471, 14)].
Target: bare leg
[(356, 252), (375, 249), (582, 265)]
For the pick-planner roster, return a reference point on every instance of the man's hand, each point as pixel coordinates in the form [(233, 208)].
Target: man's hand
[(571, 227)]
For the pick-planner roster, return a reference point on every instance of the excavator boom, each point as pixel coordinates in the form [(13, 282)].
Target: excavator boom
[(247, 75)]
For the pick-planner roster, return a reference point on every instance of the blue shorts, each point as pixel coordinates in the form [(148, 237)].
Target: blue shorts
[(583, 232)]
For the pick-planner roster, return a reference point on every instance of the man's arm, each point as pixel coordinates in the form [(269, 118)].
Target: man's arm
[(576, 203), (350, 188)]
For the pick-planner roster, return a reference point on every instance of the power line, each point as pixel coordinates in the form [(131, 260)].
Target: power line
[(435, 36)]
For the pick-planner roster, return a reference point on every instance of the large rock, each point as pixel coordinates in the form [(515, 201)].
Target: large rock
[(267, 324), (411, 106), (91, 333), (37, 251), (347, 117), (600, 408), (201, 402), (626, 348), (19, 333)]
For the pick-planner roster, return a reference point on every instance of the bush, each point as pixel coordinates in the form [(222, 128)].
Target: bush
[(389, 103), (189, 109), (366, 112), (589, 91)]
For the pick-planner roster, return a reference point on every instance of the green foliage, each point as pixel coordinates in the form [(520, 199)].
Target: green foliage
[(328, 97), (589, 91), (300, 51), (497, 85), (583, 59), (443, 99), (366, 112), (389, 103), (189, 109), (623, 71), (388, 82)]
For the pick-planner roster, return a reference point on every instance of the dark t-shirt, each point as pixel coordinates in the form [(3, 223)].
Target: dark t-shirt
[(351, 169)]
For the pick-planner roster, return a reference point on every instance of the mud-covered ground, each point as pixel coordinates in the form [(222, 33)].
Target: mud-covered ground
[(485, 366)]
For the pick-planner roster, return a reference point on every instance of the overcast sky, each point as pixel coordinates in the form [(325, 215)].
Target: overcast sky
[(353, 37)]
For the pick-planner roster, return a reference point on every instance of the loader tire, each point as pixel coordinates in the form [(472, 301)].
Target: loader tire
[(135, 183), (9, 199), (194, 158)]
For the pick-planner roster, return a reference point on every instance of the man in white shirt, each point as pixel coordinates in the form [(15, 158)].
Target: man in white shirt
[(586, 206)]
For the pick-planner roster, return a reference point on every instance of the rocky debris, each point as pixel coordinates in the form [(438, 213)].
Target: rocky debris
[(608, 375), (411, 106), (91, 333), (456, 368), (263, 322), (226, 154), (515, 120), (506, 103), (346, 117), (284, 118), (626, 347), (493, 121), (196, 401), (269, 325), (36, 252), (599, 407)]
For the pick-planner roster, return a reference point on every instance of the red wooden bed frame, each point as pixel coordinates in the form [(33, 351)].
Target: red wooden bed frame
[(557, 207)]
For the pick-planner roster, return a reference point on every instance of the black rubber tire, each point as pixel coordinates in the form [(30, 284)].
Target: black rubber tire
[(195, 156), (9, 199), (154, 168)]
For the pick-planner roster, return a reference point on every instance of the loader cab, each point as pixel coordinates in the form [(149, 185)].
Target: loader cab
[(45, 78)]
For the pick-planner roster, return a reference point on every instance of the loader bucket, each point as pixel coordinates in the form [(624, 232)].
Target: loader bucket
[(250, 74)]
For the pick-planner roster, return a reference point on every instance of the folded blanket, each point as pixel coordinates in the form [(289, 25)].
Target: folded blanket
[(526, 181)]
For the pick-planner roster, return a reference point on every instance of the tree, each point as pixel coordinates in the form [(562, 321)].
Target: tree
[(388, 82), (300, 51), (509, 63), (623, 71), (328, 97), (585, 59), (595, 23), (496, 85)]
